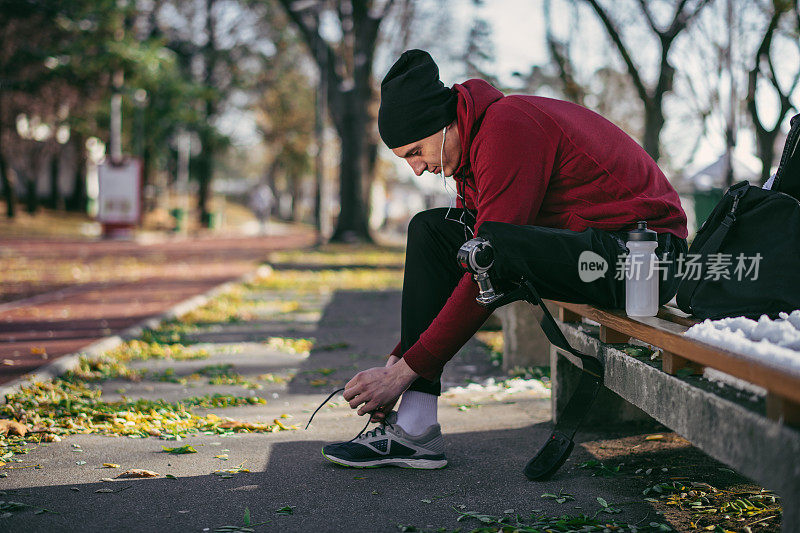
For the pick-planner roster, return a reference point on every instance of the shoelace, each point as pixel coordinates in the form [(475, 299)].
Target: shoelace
[(369, 418)]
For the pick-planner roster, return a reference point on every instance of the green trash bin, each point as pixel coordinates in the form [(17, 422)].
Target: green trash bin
[(704, 204), (211, 220), (179, 214)]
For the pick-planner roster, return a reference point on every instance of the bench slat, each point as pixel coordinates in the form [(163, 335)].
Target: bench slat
[(668, 336)]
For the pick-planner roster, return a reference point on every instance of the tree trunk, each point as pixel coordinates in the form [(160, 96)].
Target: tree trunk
[(147, 178), (765, 137), (78, 200), (205, 163), (56, 198), (204, 174), (348, 72), (31, 196), (295, 189), (653, 124), (352, 222), (9, 193), (765, 142)]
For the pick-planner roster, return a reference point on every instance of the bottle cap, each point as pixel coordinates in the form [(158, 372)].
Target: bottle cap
[(641, 233)]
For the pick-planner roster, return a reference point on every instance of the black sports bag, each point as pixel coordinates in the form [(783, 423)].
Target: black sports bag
[(755, 233)]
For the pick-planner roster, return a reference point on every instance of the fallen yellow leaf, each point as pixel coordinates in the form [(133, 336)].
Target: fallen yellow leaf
[(110, 465), (12, 427), (138, 473)]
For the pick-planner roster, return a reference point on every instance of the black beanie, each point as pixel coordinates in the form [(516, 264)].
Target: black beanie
[(414, 102)]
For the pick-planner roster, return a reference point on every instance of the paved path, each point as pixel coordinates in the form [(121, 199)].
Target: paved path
[(489, 437), (81, 291)]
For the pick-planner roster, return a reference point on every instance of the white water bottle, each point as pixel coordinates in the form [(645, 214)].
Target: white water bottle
[(641, 278)]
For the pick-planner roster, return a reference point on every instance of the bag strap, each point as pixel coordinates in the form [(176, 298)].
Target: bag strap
[(714, 242), (591, 379), (559, 445)]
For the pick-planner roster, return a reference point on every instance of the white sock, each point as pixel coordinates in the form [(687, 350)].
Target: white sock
[(417, 412)]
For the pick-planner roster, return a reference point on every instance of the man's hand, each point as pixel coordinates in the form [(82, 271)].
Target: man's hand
[(382, 412), (378, 387)]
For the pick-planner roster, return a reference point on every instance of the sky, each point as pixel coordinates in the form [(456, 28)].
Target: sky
[(518, 38)]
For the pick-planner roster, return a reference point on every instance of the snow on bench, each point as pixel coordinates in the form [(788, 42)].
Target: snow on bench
[(762, 352)]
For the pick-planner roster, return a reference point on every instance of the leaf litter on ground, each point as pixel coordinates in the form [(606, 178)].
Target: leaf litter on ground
[(539, 521), (70, 404), (180, 450), (230, 472), (138, 473)]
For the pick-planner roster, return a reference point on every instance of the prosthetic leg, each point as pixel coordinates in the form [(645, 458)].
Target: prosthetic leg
[(476, 256)]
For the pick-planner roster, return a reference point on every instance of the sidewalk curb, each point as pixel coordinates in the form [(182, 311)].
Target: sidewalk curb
[(69, 362)]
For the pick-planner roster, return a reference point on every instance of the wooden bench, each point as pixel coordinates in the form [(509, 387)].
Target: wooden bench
[(757, 437)]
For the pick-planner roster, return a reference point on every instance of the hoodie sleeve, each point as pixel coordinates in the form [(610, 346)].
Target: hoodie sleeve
[(512, 158)]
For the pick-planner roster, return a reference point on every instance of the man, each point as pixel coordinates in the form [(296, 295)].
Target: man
[(573, 179), (261, 203)]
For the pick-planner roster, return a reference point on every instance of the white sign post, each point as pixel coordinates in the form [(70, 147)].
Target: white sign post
[(119, 197)]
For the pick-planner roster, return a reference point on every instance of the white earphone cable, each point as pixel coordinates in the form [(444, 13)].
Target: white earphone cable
[(452, 194)]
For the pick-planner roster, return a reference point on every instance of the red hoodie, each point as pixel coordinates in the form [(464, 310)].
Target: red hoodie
[(530, 160)]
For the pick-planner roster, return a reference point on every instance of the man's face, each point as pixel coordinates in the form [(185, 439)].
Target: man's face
[(426, 154)]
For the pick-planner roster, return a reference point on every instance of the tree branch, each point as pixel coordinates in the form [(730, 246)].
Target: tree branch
[(312, 38), (682, 18), (614, 34), (386, 8), (572, 89), (752, 78), (648, 15)]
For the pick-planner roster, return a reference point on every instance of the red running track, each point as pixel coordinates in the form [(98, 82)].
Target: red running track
[(38, 328)]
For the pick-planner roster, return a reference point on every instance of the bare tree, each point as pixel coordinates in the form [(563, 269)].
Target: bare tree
[(651, 95), (764, 69), (559, 53), (347, 67), (478, 56)]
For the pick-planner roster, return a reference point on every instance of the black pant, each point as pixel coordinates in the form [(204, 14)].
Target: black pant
[(432, 271)]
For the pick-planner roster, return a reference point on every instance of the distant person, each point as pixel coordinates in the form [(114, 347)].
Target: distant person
[(261, 202), (575, 180)]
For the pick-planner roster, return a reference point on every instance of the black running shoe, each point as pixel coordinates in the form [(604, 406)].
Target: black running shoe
[(389, 445)]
